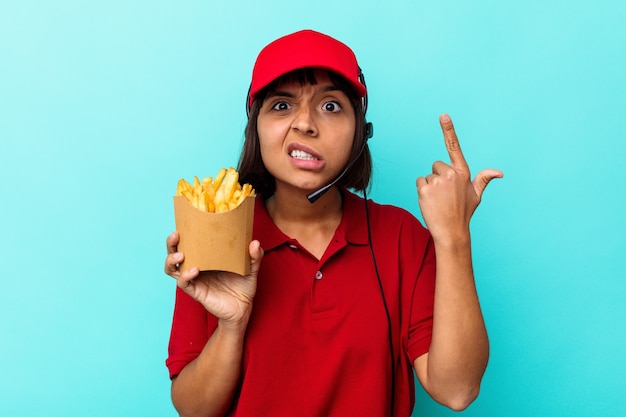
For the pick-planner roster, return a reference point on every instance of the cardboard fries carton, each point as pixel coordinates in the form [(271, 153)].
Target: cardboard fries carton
[(214, 241)]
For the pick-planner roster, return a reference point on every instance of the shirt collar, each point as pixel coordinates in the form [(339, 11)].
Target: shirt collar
[(353, 220), (264, 229), (353, 226)]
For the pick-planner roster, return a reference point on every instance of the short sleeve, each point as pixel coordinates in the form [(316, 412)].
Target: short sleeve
[(422, 304), (191, 327)]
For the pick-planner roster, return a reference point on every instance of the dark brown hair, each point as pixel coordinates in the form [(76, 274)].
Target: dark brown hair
[(251, 167)]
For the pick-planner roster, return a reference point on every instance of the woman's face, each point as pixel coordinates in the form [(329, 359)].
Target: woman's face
[(306, 133)]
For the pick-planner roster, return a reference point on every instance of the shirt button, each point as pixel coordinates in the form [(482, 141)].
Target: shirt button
[(318, 275), (293, 246)]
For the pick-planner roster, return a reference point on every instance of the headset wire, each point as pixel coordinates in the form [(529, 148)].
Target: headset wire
[(388, 315)]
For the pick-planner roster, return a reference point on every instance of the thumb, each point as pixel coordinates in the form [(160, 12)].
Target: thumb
[(483, 178), (256, 254)]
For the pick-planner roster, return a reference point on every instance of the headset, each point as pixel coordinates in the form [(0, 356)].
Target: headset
[(313, 196)]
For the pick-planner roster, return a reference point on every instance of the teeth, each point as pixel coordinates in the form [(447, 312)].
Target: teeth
[(302, 155)]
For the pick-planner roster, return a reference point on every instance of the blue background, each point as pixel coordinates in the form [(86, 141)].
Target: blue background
[(105, 105)]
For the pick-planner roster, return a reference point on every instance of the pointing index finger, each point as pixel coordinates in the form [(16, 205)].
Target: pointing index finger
[(452, 143)]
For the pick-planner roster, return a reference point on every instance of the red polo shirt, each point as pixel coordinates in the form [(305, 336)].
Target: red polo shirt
[(316, 343)]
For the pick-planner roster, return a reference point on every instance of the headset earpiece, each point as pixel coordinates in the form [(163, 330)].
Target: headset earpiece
[(369, 128)]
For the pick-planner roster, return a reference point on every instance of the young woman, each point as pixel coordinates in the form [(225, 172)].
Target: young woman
[(346, 298)]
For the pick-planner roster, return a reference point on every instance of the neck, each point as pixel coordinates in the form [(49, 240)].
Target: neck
[(295, 208), (312, 225)]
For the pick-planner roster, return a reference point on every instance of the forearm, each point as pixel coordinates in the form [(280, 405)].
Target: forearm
[(206, 386), (460, 348)]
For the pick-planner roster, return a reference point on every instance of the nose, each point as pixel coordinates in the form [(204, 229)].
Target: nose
[(304, 120)]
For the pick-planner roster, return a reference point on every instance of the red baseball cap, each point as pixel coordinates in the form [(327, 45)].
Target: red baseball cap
[(305, 49)]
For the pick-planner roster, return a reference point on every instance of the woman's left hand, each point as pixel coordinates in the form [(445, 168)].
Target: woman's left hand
[(448, 197)]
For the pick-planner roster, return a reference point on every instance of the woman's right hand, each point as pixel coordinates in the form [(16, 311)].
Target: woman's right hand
[(228, 296)]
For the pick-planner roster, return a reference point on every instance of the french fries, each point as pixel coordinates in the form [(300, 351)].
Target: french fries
[(215, 196)]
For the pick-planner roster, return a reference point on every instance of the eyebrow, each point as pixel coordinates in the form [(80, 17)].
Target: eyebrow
[(283, 93), (280, 93)]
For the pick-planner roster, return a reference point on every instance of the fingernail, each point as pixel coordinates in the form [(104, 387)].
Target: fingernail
[(178, 256), (445, 118)]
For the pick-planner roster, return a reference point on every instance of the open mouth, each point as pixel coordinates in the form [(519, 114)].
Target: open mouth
[(298, 154)]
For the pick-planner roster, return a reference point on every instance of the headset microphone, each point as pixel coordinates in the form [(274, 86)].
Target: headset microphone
[(312, 197)]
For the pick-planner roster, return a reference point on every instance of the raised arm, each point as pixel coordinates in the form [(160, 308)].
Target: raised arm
[(452, 370)]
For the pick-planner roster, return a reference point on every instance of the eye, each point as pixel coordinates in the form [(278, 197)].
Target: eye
[(281, 106), (331, 106)]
